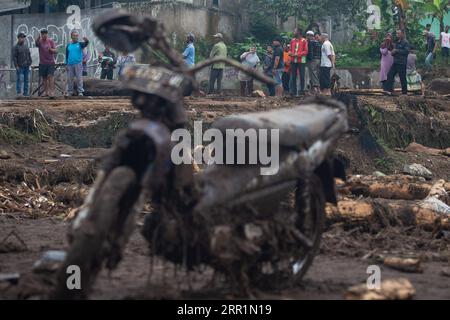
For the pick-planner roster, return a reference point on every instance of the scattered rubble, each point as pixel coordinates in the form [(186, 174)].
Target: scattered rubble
[(383, 216)]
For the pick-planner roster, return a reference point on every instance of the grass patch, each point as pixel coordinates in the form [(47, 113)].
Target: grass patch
[(12, 136)]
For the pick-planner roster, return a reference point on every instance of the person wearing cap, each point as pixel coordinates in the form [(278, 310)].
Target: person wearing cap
[(22, 61), (47, 57), (313, 60), (299, 51), (219, 50), (327, 62), (189, 51)]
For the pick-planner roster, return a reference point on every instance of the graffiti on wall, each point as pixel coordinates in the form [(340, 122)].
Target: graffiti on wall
[(61, 34), (3, 84)]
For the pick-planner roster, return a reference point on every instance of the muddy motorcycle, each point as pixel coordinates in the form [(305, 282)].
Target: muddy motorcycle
[(254, 229)]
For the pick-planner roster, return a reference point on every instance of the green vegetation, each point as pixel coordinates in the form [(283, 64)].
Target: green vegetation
[(13, 136)]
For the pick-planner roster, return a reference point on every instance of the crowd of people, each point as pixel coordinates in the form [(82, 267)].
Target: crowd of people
[(399, 58), (76, 63), (287, 62)]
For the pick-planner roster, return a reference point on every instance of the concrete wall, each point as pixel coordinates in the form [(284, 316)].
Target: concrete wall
[(178, 18), (5, 53)]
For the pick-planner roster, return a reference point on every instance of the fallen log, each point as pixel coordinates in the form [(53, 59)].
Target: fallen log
[(404, 264), (366, 92), (441, 191), (380, 213), (392, 289), (416, 147), (388, 187), (98, 87)]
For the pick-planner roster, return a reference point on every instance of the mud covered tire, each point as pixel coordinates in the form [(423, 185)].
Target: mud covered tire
[(89, 248), (312, 223)]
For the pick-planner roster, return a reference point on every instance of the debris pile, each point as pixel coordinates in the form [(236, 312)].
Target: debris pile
[(32, 201)]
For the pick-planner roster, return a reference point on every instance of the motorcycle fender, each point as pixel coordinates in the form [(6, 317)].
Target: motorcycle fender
[(329, 169)]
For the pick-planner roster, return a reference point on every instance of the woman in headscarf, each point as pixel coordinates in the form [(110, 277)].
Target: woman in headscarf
[(415, 83), (386, 57)]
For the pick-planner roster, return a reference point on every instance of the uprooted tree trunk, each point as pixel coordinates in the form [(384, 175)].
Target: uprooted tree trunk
[(379, 213), (98, 87), (430, 212), (400, 187)]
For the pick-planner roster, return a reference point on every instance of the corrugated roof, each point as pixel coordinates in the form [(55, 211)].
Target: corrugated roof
[(9, 5)]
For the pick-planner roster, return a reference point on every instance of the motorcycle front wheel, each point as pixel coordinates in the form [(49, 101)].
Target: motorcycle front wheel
[(94, 241)]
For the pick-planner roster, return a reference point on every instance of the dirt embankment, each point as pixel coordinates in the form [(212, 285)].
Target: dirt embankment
[(49, 151)]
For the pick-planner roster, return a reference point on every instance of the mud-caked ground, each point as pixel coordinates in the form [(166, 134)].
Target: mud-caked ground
[(50, 150)]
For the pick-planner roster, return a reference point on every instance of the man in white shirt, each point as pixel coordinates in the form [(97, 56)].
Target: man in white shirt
[(326, 64), (445, 44)]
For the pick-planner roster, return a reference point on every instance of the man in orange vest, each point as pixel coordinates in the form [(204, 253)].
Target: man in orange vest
[(299, 51), (287, 68)]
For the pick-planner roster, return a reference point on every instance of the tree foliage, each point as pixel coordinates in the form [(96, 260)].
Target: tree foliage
[(437, 9), (311, 11)]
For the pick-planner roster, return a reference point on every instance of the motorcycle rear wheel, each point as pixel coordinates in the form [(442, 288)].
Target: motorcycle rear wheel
[(289, 268)]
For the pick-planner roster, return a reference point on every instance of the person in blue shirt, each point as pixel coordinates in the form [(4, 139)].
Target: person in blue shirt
[(74, 61), (189, 52)]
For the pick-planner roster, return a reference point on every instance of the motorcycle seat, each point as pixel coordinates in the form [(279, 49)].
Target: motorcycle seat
[(300, 126)]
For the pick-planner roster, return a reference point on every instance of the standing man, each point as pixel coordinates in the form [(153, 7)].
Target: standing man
[(445, 44), (74, 61), (431, 46), (47, 54), (189, 51), (22, 62), (327, 62), (313, 60), (251, 60), (400, 54), (219, 50), (287, 67), (108, 63), (299, 51), (278, 66), (267, 66)]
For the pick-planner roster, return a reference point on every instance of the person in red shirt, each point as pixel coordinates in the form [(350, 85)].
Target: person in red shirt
[(299, 51)]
